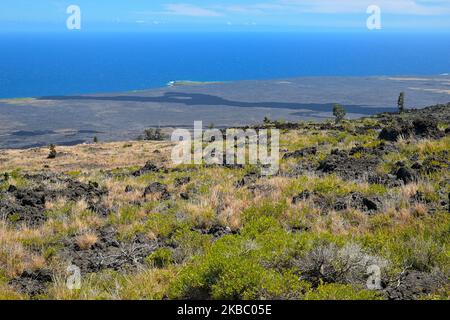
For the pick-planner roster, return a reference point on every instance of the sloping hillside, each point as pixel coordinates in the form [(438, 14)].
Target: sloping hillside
[(356, 206)]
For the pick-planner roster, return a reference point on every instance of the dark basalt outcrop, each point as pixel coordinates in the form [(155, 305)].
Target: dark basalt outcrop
[(393, 133), (436, 162), (302, 196), (388, 180), (181, 181), (23, 206), (301, 153), (358, 201), (185, 196), (248, 179), (32, 283), (216, 231), (348, 167), (158, 189), (354, 200), (419, 128), (148, 167), (405, 174), (108, 252), (358, 163), (28, 205), (413, 284), (380, 150)]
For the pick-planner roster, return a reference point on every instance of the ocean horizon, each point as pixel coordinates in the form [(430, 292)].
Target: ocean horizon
[(39, 64)]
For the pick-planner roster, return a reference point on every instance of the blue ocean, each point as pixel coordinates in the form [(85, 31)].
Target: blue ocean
[(76, 63)]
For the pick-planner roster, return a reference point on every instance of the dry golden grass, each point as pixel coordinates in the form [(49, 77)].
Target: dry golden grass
[(7, 293), (86, 241), (105, 156), (409, 190), (14, 257), (147, 284), (117, 194), (419, 210)]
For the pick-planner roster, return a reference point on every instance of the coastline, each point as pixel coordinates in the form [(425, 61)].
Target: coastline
[(182, 83), (73, 119)]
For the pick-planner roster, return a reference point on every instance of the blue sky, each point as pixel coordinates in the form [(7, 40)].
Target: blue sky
[(229, 15)]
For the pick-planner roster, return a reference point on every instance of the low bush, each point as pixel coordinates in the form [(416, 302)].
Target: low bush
[(161, 258), (332, 264)]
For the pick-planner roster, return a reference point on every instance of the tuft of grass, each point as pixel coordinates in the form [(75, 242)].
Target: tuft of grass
[(86, 241)]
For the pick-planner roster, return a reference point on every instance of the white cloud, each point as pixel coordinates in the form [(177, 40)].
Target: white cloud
[(411, 7), (292, 7), (256, 9), (190, 10), (402, 7)]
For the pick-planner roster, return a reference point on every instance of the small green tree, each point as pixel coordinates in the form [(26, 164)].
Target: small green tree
[(401, 102), (267, 120), (52, 154), (339, 112), (95, 139)]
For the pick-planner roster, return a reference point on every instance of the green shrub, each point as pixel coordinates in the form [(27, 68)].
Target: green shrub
[(253, 265), (161, 258), (266, 208), (233, 269), (423, 245), (160, 224), (420, 254), (126, 214), (202, 279), (189, 243), (261, 226)]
